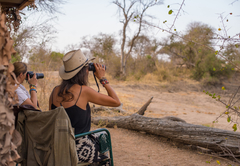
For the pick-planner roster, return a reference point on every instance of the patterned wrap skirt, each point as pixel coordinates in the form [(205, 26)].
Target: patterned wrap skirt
[(88, 149)]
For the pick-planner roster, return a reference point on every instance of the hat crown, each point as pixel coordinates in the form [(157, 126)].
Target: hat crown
[(73, 60)]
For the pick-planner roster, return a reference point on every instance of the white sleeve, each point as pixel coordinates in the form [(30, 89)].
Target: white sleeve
[(22, 96)]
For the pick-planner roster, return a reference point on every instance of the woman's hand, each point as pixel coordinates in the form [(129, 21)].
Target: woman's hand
[(100, 70), (32, 80)]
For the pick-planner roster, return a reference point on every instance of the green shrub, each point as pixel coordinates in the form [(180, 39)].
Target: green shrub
[(198, 71), (211, 69)]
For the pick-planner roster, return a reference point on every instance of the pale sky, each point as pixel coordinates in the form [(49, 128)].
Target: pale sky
[(90, 17)]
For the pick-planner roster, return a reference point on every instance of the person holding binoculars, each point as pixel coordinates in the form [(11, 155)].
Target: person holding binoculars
[(24, 98), (74, 94)]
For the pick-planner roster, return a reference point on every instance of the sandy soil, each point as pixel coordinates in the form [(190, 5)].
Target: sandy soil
[(186, 101)]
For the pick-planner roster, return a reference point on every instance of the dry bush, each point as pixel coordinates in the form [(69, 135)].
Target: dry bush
[(160, 71), (149, 79), (208, 80), (113, 66), (138, 67), (166, 71), (163, 74)]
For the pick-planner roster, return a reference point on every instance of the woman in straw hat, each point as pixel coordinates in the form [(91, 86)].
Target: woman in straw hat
[(74, 94)]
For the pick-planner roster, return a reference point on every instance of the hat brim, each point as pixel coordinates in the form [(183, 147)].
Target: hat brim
[(67, 76)]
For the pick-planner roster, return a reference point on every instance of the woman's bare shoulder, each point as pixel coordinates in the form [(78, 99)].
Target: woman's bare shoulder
[(55, 89), (86, 88), (75, 87)]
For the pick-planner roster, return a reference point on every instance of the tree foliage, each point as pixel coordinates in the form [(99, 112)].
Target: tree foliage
[(195, 50)]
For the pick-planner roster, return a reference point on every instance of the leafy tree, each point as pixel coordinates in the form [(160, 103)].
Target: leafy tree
[(193, 46), (198, 42), (195, 50), (56, 56)]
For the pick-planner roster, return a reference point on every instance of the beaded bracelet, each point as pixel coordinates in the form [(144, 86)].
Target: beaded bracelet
[(103, 81), (32, 90), (32, 86)]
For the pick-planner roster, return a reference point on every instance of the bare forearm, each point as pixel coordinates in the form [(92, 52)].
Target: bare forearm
[(112, 93), (34, 98)]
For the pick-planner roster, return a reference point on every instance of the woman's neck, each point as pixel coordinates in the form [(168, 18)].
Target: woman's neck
[(20, 80)]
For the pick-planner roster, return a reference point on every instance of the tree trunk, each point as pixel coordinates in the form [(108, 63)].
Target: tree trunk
[(177, 129), (122, 62)]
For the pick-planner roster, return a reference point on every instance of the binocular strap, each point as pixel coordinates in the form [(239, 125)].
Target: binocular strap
[(96, 82)]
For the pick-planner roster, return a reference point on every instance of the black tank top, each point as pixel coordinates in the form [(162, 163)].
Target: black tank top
[(80, 118)]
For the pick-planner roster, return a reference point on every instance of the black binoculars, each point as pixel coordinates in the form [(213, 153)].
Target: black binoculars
[(92, 68)]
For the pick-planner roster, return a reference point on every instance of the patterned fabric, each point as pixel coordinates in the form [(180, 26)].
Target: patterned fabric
[(88, 149)]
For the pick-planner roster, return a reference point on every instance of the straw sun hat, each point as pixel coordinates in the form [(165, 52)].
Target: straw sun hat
[(73, 62)]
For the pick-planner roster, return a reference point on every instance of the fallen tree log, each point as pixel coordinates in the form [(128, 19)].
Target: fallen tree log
[(217, 140)]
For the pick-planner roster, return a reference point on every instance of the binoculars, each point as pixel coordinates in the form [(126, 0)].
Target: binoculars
[(92, 68)]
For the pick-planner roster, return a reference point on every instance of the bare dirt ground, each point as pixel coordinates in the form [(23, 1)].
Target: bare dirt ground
[(182, 99)]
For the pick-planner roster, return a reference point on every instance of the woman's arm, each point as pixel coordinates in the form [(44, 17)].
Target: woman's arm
[(33, 93), (101, 99), (30, 102), (106, 100)]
